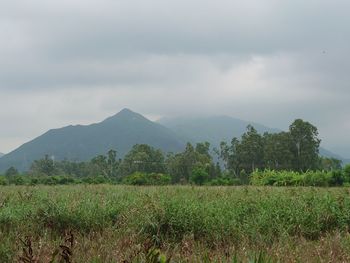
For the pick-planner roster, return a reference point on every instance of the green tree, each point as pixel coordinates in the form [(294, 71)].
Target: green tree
[(250, 150), (199, 176), (107, 165), (277, 151), (12, 171), (143, 158), (347, 173), (229, 155), (44, 166), (305, 145), (203, 149), (181, 165)]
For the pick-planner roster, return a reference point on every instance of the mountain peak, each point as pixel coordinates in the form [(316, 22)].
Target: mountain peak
[(126, 111), (125, 114)]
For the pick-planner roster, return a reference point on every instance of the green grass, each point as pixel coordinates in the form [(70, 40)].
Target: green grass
[(226, 224)]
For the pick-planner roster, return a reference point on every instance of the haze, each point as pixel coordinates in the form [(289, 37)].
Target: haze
[(69, 62)]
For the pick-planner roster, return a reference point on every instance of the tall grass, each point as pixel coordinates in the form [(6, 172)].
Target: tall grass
[(169, 217)]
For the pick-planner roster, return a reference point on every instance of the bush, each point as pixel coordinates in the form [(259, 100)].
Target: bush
[(3, 180), (336, 178), (289, 178), (199, 176), (225, 181), (17, 179), (95, 180), (139, 178)]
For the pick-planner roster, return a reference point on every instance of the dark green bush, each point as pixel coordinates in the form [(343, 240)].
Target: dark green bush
[(3, 180), (225, 181), (139, 178), (199, 176)]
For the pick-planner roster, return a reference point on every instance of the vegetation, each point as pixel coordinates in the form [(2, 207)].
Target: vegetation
[(309, 178), (204, 224), (296, 150), (286, 158), (161, 223)]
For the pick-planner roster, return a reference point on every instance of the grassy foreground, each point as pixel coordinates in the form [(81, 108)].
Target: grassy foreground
[(106, 223)]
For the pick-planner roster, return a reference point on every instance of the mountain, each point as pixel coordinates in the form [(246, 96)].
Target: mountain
[(1, 155), (119, 132), (326, 153), (211, 129)]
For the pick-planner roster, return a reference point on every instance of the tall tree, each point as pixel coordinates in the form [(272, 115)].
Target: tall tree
[(143, 158), (277, 151), (228, 153), (44, 166), (305, 145), (180, 166), (250, 150), (107, 165), (12, 171)]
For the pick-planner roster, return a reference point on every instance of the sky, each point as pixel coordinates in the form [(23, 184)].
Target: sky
[(68, 62)]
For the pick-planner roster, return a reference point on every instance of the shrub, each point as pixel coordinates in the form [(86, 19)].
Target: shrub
[(289, 178), (336, 178), (3, 180), (225, 181), (199, 176), (95, 180), (16, 179), (139, 178)]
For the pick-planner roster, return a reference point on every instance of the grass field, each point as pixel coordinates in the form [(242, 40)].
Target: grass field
[(106, 223)]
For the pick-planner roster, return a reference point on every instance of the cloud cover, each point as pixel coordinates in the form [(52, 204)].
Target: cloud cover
[(272, 61)]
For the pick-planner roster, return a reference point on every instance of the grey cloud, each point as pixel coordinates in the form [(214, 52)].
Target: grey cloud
[(266, 61)]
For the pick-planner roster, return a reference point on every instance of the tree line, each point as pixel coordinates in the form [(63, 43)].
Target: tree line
[(296, 150)]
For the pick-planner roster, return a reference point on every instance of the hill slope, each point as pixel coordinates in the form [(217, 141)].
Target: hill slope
[(119, 132), (1, 155), (212, 129)]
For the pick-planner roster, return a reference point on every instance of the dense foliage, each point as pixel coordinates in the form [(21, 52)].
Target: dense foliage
[(295, 150)]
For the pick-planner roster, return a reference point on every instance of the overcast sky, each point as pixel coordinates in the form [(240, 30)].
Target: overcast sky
[(78, 61)]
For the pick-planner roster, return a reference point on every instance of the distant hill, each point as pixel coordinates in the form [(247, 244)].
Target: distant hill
[(1, 155), (326, 153), (80, 143), (212, 129)]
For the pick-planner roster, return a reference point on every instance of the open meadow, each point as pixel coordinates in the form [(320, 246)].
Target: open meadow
[(106, 223)]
